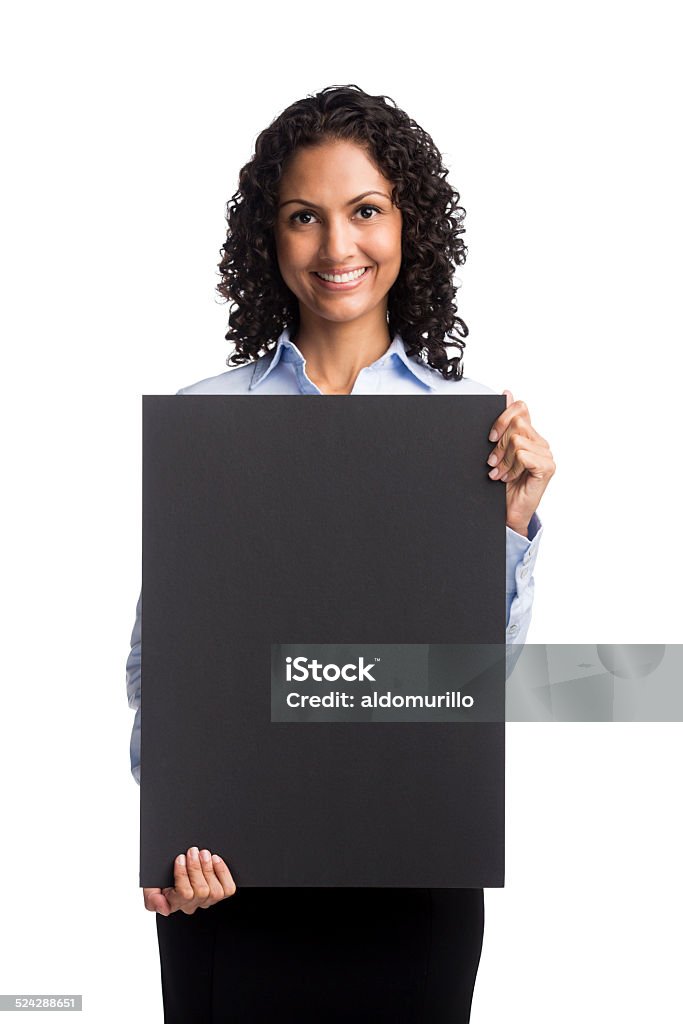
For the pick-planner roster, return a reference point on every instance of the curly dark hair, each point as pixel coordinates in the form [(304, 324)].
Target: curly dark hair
[(421, 302)]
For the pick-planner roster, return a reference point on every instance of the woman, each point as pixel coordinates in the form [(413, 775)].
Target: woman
[(342, 240)]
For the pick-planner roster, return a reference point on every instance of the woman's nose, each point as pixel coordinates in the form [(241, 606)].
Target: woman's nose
[(337, 243)]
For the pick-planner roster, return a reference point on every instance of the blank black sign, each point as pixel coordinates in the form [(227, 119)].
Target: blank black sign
[(327, 520)]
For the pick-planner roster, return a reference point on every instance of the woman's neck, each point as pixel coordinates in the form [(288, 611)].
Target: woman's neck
[(335, 353)]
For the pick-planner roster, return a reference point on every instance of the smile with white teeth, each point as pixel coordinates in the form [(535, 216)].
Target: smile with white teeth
[(341, 278)]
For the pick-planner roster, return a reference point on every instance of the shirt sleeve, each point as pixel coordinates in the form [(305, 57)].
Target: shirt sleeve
[(133, 688), (520, 559)]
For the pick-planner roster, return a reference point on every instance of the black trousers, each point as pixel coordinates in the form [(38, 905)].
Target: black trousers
[(357, 956)]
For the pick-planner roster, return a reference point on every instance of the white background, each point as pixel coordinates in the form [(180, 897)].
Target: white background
[(124, 128)]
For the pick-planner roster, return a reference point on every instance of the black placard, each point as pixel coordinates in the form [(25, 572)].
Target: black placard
[(333, 520)]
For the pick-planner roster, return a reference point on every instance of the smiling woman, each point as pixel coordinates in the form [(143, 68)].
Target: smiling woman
[(342, 241), (328, 236), (344, 182), (339, 256)]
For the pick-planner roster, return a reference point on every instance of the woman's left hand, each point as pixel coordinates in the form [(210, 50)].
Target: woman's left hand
[(522, 460)]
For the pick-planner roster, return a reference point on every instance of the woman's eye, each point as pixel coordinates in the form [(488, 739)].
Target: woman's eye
[(301, 213), (366, 207)]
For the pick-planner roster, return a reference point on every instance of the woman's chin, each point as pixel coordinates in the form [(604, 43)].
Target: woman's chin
[(341, 316)]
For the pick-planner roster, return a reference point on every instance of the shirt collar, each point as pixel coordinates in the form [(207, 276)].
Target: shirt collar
[(287, 351)]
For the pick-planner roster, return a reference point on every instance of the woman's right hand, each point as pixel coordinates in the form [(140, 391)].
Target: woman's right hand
[(200, 881)]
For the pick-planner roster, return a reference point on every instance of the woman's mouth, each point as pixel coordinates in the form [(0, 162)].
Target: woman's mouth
[(341, 282)]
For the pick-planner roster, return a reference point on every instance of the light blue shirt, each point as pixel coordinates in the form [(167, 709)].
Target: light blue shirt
[(283, 372)]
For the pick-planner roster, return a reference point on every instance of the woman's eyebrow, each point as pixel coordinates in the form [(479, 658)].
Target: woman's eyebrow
[(372, 192)]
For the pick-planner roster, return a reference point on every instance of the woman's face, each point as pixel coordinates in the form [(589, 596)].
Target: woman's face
[(335, 215)]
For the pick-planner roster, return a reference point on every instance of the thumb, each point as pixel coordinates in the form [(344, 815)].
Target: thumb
[(155, 900), (510, 399)]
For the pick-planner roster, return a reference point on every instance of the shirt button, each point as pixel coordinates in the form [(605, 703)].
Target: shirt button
[(513, 628)]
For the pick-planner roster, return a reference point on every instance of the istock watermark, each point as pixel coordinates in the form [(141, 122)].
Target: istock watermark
[(476, 683)]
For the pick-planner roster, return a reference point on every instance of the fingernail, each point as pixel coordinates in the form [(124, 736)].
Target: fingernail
[(493, 436), (181, 859), (492, 459), (493, 474), (504, 477), (216, 859), (205, 855), (194, 852)]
